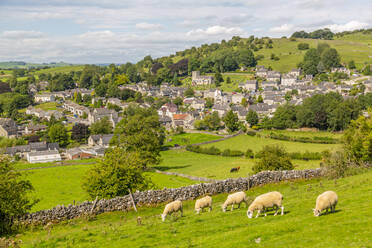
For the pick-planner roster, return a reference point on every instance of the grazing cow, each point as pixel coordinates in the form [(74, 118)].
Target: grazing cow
[(235, 169)]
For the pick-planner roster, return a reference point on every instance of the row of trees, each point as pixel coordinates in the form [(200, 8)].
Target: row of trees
[(325, 112), (324, 34)]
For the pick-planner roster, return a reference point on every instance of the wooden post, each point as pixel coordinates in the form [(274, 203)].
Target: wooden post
[(131, 197), (94, 204)]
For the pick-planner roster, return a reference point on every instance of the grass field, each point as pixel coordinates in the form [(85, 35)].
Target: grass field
[(190, 138), (303, 133), (214, 167), (243, 142), (349, 226), (62, 185)]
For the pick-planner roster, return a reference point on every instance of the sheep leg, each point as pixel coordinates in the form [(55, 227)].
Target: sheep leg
[(276, 210), (264, 210), (258, 213), (282, 210), (232, 207), (210, 208), (239, 205)]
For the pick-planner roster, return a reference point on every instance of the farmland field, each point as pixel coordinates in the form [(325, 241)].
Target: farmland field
[(349, 226), (243, 142), (190, 138)]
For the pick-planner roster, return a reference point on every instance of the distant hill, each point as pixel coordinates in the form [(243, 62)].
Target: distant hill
[(280, 54), (25, 65)]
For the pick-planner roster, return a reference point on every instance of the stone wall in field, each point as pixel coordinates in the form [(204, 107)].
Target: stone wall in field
[(155, 197)]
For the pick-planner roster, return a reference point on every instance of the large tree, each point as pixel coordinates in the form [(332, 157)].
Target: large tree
[(102, 126), (80, 132), (273, 157), (252, 118), (140, 131), (231, 121), (58, 133), (14, 195), (118, 173)]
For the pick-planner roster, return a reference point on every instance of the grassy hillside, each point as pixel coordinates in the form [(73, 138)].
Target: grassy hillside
[(243, 142), (349, 226)]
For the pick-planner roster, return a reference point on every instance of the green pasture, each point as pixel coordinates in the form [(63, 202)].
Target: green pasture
[(190, 138), (243, 142), (349, 226)]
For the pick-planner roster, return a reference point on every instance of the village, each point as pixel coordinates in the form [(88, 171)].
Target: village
[(263, 95)]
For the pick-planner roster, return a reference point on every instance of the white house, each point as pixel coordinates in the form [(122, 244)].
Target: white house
[(43, 156), (44, 98)]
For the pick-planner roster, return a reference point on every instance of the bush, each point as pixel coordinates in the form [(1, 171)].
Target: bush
[(303, 46), (232, 153), (335, 164), (214, 151), (273, 157), (249, 154), (251, 133), (306, 155)]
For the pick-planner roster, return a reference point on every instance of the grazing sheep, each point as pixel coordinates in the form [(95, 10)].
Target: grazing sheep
[(202, 203), (172, 207), (236, 198), (235, 169), (262, 202), (325, 200)]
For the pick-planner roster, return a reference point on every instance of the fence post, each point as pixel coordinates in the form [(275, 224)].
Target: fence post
[(94, 204), (131, 197)]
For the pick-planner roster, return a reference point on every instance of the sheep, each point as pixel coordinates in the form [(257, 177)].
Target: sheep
[(172, 207), (325, 200), (235, 169), (264, 201), (236, 198), (202, 203)]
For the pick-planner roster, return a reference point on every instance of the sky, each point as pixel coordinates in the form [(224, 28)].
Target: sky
[(120, 31)]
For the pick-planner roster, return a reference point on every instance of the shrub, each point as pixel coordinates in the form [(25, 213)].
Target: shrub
[(249, 154), (232, 153), (273, 157), (303, 46), (251, 133), (335, 164)]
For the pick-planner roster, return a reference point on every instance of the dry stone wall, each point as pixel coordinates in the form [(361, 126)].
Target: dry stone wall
[(155, 197)]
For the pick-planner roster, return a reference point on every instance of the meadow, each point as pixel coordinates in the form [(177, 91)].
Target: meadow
[(349, 226), (244, 142), (190, 138)]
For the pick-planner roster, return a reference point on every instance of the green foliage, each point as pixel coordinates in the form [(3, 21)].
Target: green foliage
[(189, 92), (58, 133), (324, 34), (358, 140), (273, 157), (102, 126), (351, 65), (249, 153), (118, 173), (303, 46), (330, 58), (146, 139), (14, 196), (218, 77), (80, 132), (210, 122), (231, 121), (214, 151), (252, 118)]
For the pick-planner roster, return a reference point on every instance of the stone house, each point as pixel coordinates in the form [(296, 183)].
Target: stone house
[(295, 73), (184, 120), (99, 113), (273, 76), (166, 121), (8, 128), (75, 108), (31, 128), (197, 79), (79, 153), (261, 72), (102, 140), (288, 79), (168, 109), (249, 85), (221, 109)]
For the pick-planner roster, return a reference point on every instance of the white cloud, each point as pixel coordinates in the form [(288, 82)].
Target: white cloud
[(282, 29), (352, 25), (148, 26), (215, 30), (21, 34)]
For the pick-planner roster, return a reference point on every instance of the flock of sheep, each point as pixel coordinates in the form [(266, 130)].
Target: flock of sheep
[(262, 203)]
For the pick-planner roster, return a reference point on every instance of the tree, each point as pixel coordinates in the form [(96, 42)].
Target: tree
[(311, 61), (218, 78), (146, 138), (103, 126), (14, 196), (178, 101), (101, 90), (80, 132), (116, 175), (303, 46), (273, 157), (252, 118), (189, 92), (244, 102), (57, 133), (210, 122), (260, 99), (351, 65), (228, 80), (330, 58), (231, 121)]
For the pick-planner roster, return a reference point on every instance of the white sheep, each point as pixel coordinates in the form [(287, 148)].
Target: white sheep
[(202, 203), (172, 207), (325, 200), (264, 201), (236, 198)]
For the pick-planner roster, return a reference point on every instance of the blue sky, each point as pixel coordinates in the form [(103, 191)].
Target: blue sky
[(105, 31)]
